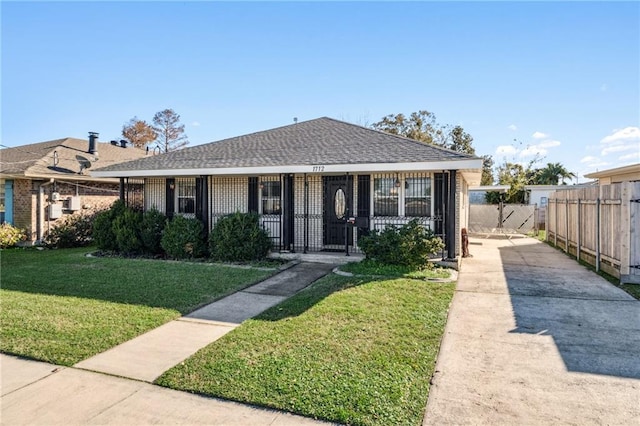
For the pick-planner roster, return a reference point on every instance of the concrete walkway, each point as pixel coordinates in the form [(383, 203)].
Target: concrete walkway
[(148, 356), (535, 338), (41, 393)]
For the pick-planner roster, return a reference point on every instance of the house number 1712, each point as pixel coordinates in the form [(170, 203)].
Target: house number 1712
[(318, 168)]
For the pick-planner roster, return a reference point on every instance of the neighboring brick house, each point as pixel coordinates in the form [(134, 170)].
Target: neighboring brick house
[(317, 185), (42, 184)]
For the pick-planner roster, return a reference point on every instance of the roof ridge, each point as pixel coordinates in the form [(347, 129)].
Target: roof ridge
[(403, 138)]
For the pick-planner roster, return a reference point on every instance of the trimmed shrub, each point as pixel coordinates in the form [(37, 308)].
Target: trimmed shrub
[(238, 237), (409, 245), (103, 233), (76, 231), (183, 238), (10, 235), (151, 228), (126, 229)]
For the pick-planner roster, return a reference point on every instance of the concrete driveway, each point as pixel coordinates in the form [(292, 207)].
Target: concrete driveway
[(535, 338)]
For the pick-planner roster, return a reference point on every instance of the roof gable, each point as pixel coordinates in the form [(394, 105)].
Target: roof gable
[(321, 141)]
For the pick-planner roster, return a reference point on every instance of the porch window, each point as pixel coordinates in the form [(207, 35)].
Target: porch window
[(186, 196), (417, 199), (271, 197), (385, 197)]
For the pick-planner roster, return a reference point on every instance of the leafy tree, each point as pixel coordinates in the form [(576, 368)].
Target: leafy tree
[(139, 132), (460, 141), (514, 175), (487, 170), (421, 126), (170, 132)]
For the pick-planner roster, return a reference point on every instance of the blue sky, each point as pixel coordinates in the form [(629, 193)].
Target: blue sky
[(561, 79)]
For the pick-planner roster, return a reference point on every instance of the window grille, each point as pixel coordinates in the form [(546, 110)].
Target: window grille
[(417, 199), (385, 196)]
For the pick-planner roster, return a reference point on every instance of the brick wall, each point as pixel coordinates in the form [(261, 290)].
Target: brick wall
[(94, 197), (25, 204)]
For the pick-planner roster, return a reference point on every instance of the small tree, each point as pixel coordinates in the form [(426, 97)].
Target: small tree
[(139, 132), (170, 132)]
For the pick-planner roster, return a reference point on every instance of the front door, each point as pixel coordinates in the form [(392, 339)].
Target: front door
[(337, 201)]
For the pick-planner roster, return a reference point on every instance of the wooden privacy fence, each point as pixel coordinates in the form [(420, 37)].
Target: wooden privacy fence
[(599, 225)]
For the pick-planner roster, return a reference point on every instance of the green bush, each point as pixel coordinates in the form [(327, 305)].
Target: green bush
[(238, 237), (409, 245), (151, 228), (184, 238), (126, 229), (76, 231), (10, 235), (103, 233)]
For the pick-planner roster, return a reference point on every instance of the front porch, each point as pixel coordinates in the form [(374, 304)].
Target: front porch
[(309, 213)]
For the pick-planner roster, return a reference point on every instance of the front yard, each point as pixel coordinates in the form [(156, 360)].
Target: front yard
[(62, 307), (350, 350)]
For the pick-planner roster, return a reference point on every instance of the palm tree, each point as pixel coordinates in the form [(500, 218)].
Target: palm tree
[(552, 174)]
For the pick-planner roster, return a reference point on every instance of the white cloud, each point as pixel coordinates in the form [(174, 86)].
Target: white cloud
[(549, 143), (604, 87), (533, 150), (630, 157), (539, 135), (589, 159), (628, 134), (506, 149), (195, 124), (512, 127), (619, 148), (627, 139)]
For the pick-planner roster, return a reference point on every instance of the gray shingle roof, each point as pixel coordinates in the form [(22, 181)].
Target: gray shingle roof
[(38, 159), (320, 141)]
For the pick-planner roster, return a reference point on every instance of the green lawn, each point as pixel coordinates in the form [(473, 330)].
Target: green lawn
[(371, 268), (347, 349), (62, 307)]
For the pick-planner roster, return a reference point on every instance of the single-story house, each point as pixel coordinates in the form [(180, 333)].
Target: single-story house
[(478, 194), (43, 183), (317, 185), (630, 173)]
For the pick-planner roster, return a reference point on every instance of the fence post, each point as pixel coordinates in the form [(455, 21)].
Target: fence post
[(566, 225), (598, 234), (579, 233), (625, 227), (555, 225)]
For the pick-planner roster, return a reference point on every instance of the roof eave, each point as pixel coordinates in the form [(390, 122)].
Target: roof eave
[(471, 164)]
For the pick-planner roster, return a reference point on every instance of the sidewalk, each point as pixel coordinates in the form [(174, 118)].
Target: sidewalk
[(535, 338), (40, 393)]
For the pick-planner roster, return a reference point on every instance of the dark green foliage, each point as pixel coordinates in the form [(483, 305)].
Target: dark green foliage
[(409, 245), (103, 233), (151, 228), (184, 238), (76, 231), (126, 228), (238, 237)]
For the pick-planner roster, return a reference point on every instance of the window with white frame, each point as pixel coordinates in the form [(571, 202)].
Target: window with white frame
[(186, 196), (270, 198), (385, 196), (417, 197)]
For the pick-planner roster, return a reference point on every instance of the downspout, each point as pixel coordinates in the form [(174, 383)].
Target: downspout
[(40, 209)]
